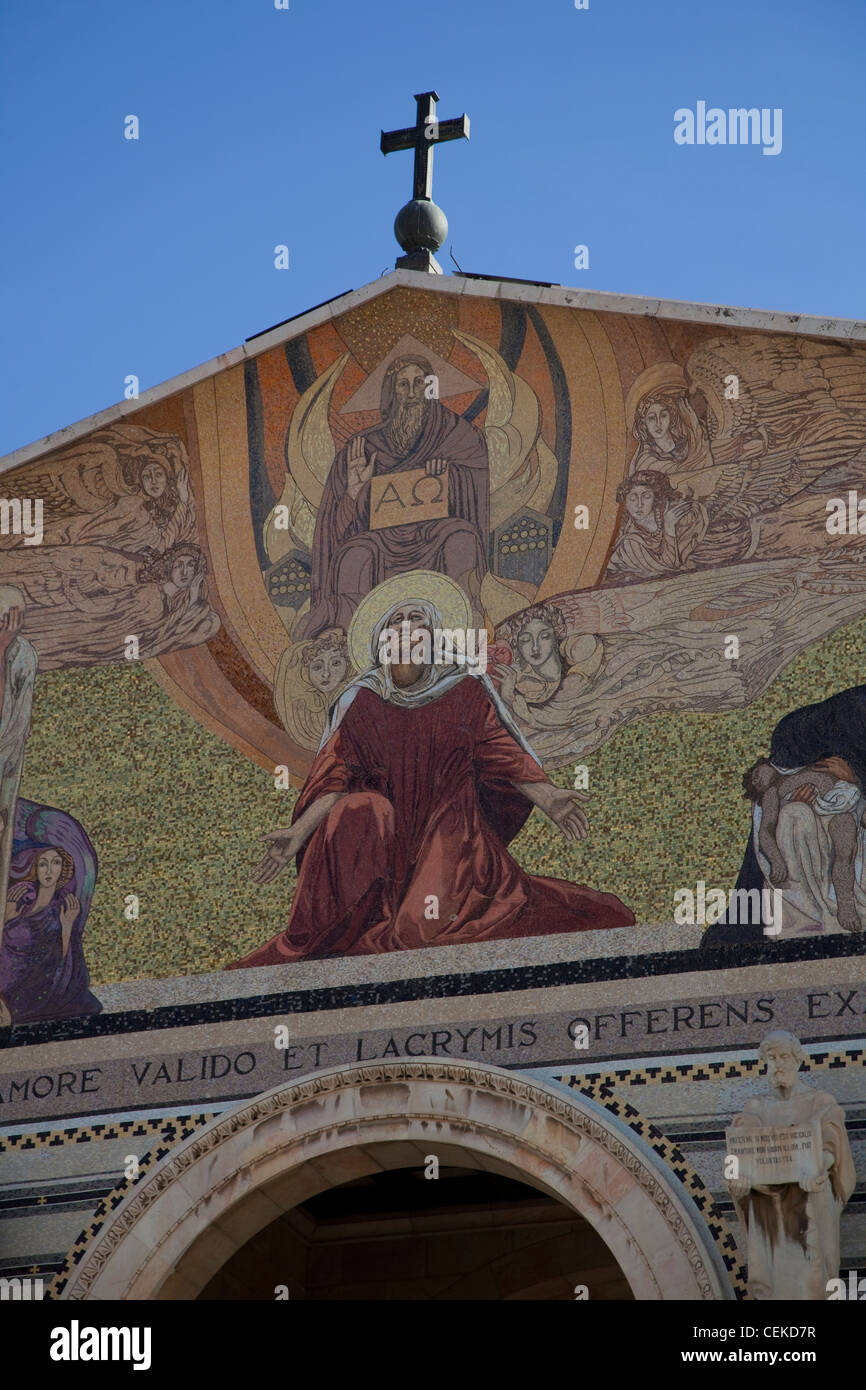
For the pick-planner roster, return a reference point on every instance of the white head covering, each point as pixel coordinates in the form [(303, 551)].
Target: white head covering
[(436, 680)]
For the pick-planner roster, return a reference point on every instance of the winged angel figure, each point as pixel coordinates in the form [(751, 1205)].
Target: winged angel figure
[(786, 417), (587, 664), (738, 454), (325, 508), (125, 487), (119, 552)]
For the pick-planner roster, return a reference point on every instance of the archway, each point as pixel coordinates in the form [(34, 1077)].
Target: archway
[(190, 1215), (436, 1232)]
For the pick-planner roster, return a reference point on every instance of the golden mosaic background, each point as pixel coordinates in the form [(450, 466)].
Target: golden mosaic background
[(175, 813)]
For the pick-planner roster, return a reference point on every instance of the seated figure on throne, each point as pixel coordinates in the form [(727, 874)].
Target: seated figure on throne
[(423, 778), (349, 557)]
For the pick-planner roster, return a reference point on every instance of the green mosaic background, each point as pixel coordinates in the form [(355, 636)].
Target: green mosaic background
[(175, 813)]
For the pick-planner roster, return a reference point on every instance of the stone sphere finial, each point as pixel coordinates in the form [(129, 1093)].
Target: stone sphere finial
[(420, 226)]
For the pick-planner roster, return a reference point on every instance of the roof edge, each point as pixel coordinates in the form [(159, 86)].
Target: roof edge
[(526, 292)]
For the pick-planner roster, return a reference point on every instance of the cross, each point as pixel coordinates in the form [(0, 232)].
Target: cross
[(422, 136)]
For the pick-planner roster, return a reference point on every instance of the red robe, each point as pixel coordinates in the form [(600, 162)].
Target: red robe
[(429, 812)]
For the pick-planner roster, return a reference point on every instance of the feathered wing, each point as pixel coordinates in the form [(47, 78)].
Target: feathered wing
[(68, 494), (791, 398), (310, 453), (672, 653), (757, 485), (85, 478), (522, 466)]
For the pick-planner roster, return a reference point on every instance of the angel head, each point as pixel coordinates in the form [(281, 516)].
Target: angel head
[(151, 473), (535, 636), (178, 568), (308, 677), (665, 423), (325, 662), (646, 493), (404, 403)]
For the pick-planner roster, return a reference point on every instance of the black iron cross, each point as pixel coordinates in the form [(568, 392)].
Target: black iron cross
[(422, 136)]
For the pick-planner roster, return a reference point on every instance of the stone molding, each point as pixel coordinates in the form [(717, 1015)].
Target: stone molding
[(523, 1125)]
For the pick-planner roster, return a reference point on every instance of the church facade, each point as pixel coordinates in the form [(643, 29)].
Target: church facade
[(323, 985)]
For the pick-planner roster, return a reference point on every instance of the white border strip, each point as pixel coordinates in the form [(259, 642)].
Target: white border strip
[(517, 292)]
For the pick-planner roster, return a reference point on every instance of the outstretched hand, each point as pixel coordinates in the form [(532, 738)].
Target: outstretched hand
[(566, 814), (283, 846)]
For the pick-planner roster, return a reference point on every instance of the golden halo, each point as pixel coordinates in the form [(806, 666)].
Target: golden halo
[(662, 376), (446, 596)]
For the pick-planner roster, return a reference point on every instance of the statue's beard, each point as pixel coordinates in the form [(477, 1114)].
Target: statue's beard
[(405, 425)]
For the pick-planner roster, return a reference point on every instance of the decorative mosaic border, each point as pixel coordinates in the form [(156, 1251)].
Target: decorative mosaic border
[(596, 1085), (599, 1086), (117, 1129), (494, 1082), (170, 1130), (724, 1070)]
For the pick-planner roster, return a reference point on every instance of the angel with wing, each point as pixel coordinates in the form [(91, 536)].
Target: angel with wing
[(125, 487), (549, 668), (662, 645), (488, 474), (785, 418)]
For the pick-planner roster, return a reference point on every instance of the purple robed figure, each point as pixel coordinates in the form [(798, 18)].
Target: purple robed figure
[(52, 876)]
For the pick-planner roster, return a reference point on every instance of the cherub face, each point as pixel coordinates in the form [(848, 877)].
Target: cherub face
[(328, 671), (409, 383), (183, 571), (536, 642), (154, 479), (639, 502), (658, 422), (49, 867), (782, 1065)]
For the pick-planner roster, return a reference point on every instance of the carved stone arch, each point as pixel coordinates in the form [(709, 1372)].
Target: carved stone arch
[(186, 1217)]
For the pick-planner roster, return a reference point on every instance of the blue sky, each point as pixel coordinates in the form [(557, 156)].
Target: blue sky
[(261, 127)]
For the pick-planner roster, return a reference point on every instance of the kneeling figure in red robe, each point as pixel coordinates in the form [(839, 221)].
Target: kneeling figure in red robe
[(400, 830)]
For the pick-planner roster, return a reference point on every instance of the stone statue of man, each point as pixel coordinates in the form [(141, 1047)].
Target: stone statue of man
[(793, 1228)]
